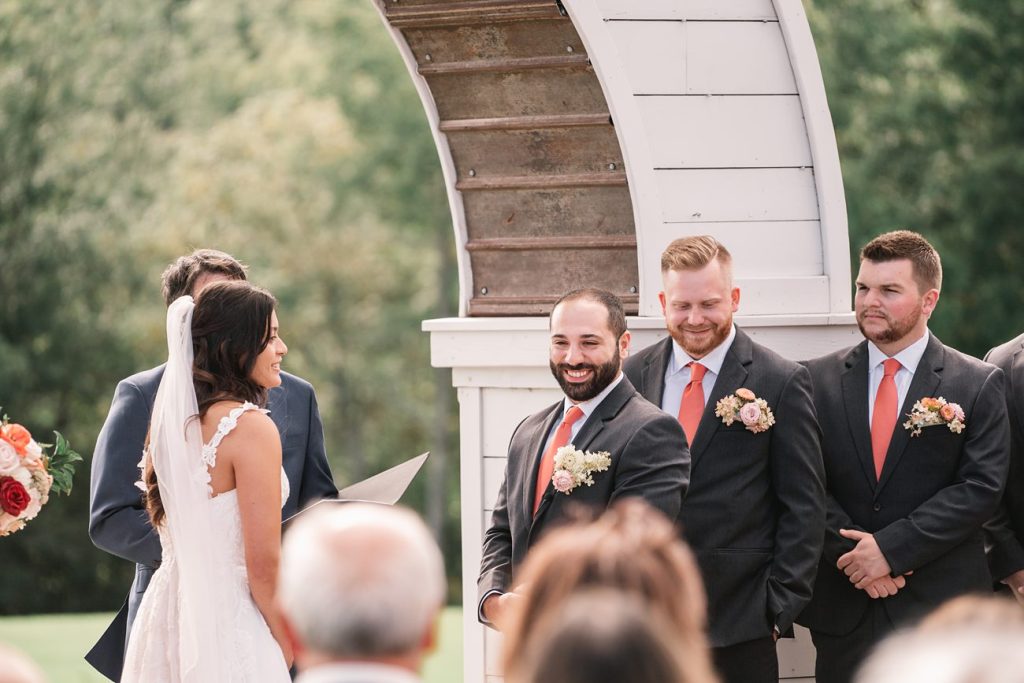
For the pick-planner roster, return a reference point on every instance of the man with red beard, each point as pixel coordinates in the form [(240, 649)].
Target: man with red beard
[(624, 445), (916, 449), (755, 510)]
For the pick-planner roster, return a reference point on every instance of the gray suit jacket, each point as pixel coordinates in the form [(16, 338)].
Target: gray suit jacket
[(935, 492), (755, 511), (118, 522), (1005, 532), (649, 459)]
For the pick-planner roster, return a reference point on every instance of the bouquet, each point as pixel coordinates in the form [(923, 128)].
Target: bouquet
[(28, 474)]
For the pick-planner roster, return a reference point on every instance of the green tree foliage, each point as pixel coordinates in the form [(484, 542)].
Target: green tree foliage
[(287, 134), (926, 99)]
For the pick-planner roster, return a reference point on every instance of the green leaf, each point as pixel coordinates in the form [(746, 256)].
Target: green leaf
[(62, 467)]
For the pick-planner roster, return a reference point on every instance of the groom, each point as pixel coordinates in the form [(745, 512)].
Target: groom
[(118, 522), (601, 411)]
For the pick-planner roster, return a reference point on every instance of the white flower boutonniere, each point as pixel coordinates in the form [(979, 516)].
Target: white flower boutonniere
[(930, 412), (573, 467), (744, 406)]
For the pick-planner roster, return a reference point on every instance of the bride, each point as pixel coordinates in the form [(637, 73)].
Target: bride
[(213, 488)]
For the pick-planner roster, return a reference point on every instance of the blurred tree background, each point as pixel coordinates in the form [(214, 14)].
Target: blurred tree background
[(289, 134)]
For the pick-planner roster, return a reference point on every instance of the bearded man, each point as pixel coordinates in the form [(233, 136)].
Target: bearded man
[(916, 448), (755, 511), (636, 449)]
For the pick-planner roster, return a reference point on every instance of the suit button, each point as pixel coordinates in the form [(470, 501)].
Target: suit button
[(877, 507)]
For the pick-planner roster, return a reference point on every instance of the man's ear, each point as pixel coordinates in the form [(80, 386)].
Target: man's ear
[(430, 638), (624, 344)]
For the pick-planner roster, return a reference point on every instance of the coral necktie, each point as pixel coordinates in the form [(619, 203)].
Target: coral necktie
[(883, 419), (547, 461), (692, 405)]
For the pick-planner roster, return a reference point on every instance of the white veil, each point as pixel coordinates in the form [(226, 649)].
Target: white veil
[(176, 444)]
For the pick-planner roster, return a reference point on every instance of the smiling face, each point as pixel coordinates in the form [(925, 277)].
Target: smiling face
[(698, 305), (585, 357), (267, 370), (891, 309)]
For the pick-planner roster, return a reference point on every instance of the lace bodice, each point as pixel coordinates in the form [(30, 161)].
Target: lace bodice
[(224, 427)]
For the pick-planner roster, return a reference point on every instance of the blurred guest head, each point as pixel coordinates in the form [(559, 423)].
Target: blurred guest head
[(189, 274), (16, 667), (968, 640), (603, 634), (631, 548), (361, 585)]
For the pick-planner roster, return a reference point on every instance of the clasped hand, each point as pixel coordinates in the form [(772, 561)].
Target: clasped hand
[(867, 567)]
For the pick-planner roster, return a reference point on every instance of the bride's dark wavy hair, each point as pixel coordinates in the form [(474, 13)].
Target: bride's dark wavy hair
[(230, 328)]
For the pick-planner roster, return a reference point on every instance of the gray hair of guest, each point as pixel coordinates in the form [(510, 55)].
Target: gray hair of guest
[(361, 581)]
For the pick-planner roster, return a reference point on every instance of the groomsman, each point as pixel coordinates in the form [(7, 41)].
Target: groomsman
[(118, 522), (1005, 532), (754, 513), (644, 450), (916, 448)]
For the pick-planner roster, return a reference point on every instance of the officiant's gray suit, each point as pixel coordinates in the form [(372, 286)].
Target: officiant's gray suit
[(649, 460), (118, 522)]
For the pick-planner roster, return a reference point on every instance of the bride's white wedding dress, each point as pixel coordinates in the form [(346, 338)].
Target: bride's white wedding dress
[(244, 645)]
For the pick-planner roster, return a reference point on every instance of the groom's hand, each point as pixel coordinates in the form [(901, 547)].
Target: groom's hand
[(865, 563)]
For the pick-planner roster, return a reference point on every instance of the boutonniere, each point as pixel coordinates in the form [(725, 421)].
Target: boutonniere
[(929, 412), (744, 406), (573, 467)]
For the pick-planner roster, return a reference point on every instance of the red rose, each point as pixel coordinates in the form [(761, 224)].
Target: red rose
[(17, 436), (13, 496)]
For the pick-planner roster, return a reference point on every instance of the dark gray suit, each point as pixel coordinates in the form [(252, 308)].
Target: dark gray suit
[(754, 514), (1005, 533), (648, 459), (118, 522), (927, 509)]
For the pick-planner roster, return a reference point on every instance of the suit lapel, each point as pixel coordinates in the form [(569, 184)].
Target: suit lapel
[(653, 376), (925, 383), (277, 404), (591, 429), (732, 377), (531, 463), (855, 398)]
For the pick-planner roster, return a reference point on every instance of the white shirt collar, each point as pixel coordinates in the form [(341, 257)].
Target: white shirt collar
[(357, 672), (909, 357), (590, 406), (712, 360)]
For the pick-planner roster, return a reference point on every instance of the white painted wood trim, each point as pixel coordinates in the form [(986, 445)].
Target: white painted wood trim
[(444, 154), (828, 178), (471, 482), (610, 69)]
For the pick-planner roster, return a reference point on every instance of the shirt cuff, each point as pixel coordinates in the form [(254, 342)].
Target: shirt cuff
[(480, 607)]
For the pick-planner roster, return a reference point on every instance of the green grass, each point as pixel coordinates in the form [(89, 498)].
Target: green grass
[(57, 642)]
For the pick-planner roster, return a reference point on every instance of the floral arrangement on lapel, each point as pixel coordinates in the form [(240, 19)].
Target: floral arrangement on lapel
[(744, 406), (932, 412), (573, 467)]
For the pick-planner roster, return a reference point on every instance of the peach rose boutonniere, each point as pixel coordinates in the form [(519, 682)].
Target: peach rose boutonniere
[(931, 412), (744, 406), (574, 468)]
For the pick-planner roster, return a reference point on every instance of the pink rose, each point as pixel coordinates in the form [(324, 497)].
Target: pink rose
[(958, 412), (750, 413), (562, 481)]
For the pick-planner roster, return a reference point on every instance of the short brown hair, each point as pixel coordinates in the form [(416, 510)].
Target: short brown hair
[(906, 244), (180, 277), (612, 303), (694, 252)]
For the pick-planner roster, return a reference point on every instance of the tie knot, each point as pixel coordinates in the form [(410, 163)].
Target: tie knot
[(696, 372), (891, 367), (572, 415)]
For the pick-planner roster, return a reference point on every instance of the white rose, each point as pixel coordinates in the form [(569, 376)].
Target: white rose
[(24, 476), (33, 452), (10, 461)]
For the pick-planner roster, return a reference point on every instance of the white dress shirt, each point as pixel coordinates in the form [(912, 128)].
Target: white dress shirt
[(677, 374), (909, 359), (588, 408)]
